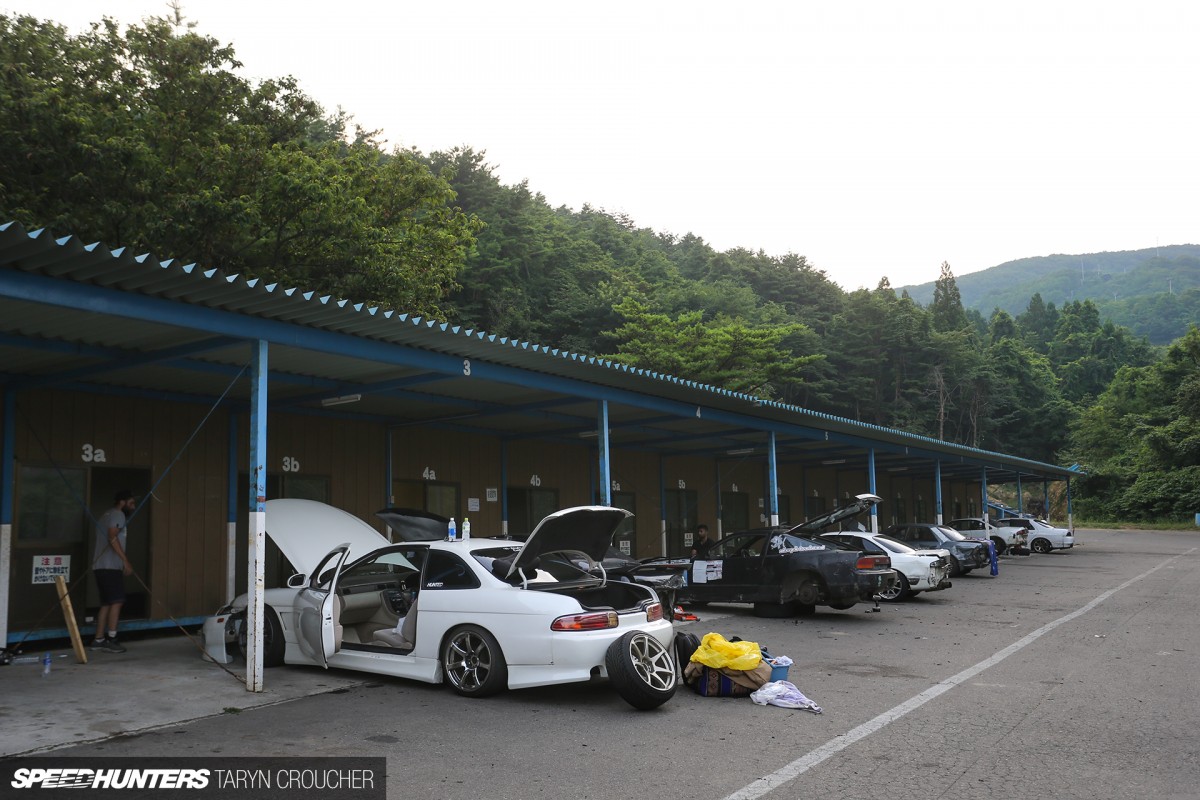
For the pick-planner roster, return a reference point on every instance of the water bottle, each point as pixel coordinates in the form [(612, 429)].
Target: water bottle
[(46, 661), (451, 533), (466, 537)]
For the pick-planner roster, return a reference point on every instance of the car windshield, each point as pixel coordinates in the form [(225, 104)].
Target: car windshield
[(738, 545), (558, 566), (895, 545), (952, 534)]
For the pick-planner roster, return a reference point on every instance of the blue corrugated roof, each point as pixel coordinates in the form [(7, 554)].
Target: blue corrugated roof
[(69, 259)]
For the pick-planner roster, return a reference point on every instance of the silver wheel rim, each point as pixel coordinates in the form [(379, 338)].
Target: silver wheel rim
[(894, 592), (652, 662), (469, 661)]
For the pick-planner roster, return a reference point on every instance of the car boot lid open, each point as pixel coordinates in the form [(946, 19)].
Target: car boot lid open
[(585, 529), (305, 531), (858, 505)]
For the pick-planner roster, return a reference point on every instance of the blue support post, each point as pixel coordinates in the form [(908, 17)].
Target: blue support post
[(662, 501), (871, 481), (605, 476), (983, 491), (720, 505), (1020, 505), (388, 467), (937, 489), (504, 488), (7, 475), (772, 482), (258, 515), (1070, 511), (231, 509)]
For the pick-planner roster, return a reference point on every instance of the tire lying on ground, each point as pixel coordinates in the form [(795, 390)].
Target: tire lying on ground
[(641, 670)]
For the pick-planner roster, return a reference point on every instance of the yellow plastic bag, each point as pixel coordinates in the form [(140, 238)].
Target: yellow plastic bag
[(716, 652)]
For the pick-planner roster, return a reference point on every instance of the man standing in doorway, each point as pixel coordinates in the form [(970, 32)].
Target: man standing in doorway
[(701, 543), (110, 568)]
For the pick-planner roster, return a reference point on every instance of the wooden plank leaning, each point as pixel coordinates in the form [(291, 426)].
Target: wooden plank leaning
[(64, 599)]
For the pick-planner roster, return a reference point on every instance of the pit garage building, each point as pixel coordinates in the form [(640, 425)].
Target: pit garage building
[(207, 393)]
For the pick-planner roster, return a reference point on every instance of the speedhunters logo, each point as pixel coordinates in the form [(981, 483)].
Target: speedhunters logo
[(243, 778), (77, 778)]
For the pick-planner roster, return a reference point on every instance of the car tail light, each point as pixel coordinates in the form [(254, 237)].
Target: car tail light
[(588, 622), (654, 612), (874, 562)]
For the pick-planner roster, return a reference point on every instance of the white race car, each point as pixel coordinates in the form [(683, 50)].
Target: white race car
[(1043, 537), (919, 570), (481, 615)]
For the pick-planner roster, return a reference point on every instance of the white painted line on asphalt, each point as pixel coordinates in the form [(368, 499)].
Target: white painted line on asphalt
[(806, 762)]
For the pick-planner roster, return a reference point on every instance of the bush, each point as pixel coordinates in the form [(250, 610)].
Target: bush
[(1161, 495)]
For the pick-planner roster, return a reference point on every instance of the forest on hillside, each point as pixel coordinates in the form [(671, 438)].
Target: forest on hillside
[(1154, 292), (149, 138)]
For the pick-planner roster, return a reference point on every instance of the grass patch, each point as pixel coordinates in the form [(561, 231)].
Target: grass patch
[(1155, 525)]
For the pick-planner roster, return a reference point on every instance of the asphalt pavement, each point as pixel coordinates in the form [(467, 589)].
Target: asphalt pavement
[(161, 680), (1069, 675)]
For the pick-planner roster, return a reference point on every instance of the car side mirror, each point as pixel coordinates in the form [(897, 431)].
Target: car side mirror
[(297, 581)]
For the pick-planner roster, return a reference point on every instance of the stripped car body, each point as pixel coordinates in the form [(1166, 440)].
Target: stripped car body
[(481, 615), (1005, 537)]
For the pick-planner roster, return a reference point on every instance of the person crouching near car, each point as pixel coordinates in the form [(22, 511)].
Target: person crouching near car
[(110, 568)]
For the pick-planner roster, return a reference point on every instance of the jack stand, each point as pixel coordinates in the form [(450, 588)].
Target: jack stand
[(875, 610)]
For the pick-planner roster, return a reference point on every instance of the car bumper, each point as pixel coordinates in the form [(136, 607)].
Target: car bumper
[(872, 582), (580, 655), (975, 559), (218, 635)]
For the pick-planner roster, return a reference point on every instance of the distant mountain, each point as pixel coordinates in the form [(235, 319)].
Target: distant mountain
[(1154, 292)]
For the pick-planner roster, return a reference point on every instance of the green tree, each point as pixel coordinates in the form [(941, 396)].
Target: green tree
[(149, 139), (1037, 324), (1086, 353), (725, 352), (1140, 440), (947, 307)]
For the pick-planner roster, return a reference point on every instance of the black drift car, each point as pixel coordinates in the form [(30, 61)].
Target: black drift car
[(784, 571)]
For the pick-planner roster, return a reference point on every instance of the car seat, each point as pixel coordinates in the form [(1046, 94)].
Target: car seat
[(403, 639)]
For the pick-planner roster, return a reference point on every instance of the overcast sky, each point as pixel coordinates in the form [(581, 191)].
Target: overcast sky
[(874, 138)]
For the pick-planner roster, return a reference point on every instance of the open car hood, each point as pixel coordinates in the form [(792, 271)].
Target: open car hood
[(858, 505), (586, 529), (305, 531), (411, 525)]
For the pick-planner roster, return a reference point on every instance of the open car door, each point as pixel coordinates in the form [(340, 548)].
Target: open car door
[(318, 610)]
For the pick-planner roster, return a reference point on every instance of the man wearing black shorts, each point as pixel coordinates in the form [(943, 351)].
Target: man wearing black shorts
[(110, 568)]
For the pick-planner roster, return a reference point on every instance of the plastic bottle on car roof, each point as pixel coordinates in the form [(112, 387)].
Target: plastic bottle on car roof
[(451, 533), (466, 534)]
